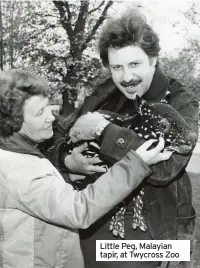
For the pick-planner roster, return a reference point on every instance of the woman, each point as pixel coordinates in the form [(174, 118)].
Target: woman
[(40, 213)]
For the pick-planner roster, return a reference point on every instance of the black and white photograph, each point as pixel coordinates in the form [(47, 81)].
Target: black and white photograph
[(99, 134)]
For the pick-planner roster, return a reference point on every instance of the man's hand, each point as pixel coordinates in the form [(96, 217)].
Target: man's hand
[(153, 156), (79, 164), (86, 126)]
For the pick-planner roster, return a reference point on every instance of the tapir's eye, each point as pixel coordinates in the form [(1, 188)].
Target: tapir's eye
[(164, 125)]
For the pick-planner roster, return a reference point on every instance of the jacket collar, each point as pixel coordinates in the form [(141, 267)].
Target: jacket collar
[(20, 144), (158, 86), (99, 96)]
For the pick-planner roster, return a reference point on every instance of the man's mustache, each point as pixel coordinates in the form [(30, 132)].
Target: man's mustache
[(130, 83)]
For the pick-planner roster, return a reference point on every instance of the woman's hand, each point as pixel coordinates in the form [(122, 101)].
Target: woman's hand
[(153, 156)]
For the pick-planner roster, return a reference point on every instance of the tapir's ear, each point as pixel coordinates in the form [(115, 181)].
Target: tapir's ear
[(137, 102), (137, 98)]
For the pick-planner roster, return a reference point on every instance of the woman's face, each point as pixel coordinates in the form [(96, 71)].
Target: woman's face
[(38, 119)]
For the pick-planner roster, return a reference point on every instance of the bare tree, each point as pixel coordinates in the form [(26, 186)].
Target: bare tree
[(81, 25), (54, 38)]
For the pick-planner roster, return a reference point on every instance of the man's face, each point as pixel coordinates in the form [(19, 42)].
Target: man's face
[(38, 119), (131, 69)]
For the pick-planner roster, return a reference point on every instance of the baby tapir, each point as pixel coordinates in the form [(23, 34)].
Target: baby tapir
[(155, 120), (148, 121)]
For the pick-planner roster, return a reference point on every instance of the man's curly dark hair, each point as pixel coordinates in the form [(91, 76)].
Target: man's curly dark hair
[(16, 86), (130, 28)]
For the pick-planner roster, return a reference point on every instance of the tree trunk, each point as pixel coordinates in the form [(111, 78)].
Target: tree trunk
[(72, 78), (67, 106)]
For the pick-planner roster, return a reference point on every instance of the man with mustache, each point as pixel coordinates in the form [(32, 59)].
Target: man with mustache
[(129, 48)]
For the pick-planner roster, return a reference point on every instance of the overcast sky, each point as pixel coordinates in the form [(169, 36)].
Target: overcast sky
[(167, 18)]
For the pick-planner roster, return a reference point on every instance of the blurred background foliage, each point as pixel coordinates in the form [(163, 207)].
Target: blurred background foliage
[(58, 39)]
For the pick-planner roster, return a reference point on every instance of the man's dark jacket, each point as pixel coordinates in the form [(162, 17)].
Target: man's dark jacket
[(168, 195)]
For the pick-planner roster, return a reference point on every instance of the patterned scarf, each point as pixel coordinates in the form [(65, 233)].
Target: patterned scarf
[(117, 220)]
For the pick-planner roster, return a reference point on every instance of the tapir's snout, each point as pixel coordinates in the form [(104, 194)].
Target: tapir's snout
[(186, 145), (191, 138)]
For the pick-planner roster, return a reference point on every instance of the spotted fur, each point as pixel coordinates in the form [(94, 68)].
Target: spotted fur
[(155, 120), (150, 121)]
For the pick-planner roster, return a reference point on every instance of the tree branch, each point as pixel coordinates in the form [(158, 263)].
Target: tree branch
[(66, 24), (35, 27), (49, 56), (82, 16), (53, 70), (96, 26), (93, 10), (68, 11), (45, 15)]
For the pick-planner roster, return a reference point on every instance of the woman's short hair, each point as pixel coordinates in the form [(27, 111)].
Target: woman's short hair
[(130, 28), (16, 86)]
